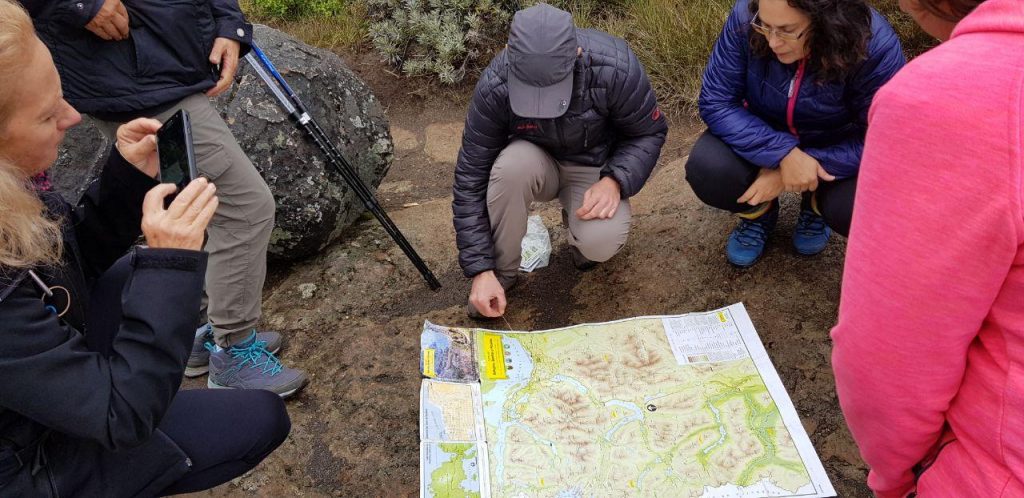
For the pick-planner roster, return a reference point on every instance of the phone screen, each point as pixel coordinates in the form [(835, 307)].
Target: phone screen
[(173, 149)]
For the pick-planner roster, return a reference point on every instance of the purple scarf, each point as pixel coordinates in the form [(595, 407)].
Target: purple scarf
[(42, 183)]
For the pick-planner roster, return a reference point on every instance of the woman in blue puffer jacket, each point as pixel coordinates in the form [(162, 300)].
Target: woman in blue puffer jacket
[(785, 96)]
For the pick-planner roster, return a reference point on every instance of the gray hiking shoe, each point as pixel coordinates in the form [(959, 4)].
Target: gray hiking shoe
[(580, 261), (199, 360), (249, 365)]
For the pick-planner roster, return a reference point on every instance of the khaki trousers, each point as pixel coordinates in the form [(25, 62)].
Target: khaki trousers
[(524, 173), (239, 233)]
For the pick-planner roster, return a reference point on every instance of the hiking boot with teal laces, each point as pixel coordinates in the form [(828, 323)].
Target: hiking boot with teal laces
[(199, 359), (812, 234), (748, 240), (249, 365)]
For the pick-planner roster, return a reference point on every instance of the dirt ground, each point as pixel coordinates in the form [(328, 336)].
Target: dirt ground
[(352, 315)]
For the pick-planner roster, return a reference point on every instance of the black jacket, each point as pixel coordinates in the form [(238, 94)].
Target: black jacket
[(613, 123), (164, 59), (78, 423)]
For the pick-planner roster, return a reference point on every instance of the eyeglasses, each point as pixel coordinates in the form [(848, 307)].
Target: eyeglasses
[(768, 32)]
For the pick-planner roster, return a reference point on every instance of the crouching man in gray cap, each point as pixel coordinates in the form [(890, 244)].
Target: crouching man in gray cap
[(560, 113)]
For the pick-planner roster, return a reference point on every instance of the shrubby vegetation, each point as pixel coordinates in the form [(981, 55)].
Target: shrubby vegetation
[(439, 38), (452, 40)]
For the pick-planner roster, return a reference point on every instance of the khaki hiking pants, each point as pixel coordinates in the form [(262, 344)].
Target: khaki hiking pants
[(524, 173), (239, 233)]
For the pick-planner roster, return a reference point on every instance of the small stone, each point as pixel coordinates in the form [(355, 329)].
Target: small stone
[(308, 290)]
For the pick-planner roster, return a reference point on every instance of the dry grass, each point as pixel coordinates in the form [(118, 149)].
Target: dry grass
[(345, 31), (673, 39)]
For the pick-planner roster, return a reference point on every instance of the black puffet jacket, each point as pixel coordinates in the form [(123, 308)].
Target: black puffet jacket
[(613, 123), (164, 59), (74, 422)]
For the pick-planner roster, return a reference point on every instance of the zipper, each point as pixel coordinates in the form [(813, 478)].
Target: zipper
[(794, 93)]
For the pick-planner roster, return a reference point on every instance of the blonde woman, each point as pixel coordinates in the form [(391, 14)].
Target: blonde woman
[(93, 342)]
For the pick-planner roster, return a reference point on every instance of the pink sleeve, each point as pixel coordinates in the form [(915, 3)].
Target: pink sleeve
[(933, 238)]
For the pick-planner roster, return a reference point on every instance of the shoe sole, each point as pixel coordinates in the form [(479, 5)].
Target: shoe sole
[(802, 253), (809, 254), (213, 385), (750, 264), (746, 266), (193, 372)]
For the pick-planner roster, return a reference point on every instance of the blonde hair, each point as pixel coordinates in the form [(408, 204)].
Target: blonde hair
[(27, 236)]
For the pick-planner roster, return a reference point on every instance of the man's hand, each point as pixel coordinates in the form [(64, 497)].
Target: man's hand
[(111, 22), (767, 187), (225, 52), (601, 200), (136, 141), (800, 172), (487, 295)]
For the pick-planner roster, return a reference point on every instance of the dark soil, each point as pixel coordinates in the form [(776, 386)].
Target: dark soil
[(355, 427)]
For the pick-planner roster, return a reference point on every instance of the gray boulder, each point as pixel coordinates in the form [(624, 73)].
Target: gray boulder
[(314, 205)]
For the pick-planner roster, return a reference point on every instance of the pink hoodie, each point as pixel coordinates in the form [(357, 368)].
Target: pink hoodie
[(929, 349)]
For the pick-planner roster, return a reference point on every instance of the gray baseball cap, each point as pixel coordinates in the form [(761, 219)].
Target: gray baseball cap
[(542, 54)]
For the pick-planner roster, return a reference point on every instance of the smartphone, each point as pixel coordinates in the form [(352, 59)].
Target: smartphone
[(177, 155)]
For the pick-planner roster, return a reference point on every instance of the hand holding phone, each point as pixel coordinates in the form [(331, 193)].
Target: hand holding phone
[(136, 141), (177, 155)]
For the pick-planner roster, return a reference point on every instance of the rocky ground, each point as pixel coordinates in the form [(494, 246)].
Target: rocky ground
[(352, 315)]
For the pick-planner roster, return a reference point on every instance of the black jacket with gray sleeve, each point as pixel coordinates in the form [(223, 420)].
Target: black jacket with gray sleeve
[(613, 123)]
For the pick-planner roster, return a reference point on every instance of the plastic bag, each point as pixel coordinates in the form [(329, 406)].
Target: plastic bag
[(536, 245)]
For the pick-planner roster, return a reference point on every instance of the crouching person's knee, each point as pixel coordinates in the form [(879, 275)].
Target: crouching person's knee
[(272, 427), (704, 165), (601, 243)]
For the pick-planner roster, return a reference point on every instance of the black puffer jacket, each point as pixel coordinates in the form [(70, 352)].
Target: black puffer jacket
[(613, 123), (74, 422), (164, 59)]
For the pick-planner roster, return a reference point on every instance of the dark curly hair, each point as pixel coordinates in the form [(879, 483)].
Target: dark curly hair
[(837, 39)]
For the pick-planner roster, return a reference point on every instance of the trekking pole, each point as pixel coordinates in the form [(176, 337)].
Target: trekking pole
[(298, 113)]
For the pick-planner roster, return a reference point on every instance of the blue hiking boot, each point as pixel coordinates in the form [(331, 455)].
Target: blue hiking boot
[(199, 359), (811, 234), (249, 365), (747, 242)]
